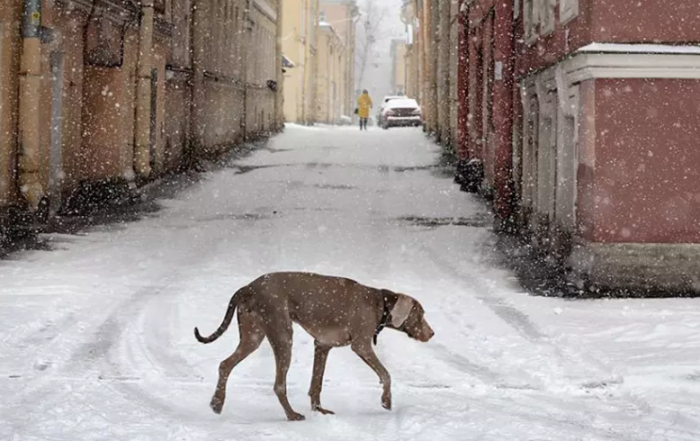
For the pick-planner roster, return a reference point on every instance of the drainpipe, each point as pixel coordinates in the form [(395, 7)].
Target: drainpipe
[(462, 93), (279, 94), (142, 132), (29, 102), (503, 115)]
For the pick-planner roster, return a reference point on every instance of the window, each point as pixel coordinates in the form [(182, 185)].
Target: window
[(547, 19), (568, 10), (529, 21)]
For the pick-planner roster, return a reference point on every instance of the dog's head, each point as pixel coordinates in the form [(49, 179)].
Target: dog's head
[(408, 316)]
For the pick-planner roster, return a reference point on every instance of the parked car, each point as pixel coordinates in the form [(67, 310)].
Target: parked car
[(402, 112), (383, 105)]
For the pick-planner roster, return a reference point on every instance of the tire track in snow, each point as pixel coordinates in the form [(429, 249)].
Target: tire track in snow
[(97, 356), (519, 321)]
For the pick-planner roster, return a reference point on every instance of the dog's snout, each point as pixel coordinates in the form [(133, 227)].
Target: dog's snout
[(428, 332)]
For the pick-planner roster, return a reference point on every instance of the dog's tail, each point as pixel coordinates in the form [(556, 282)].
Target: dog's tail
[(232, 305)]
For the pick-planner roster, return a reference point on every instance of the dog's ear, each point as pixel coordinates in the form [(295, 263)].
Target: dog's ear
[(400, 311)]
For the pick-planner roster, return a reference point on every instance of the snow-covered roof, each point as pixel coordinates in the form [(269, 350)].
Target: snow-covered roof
[(641, 48)]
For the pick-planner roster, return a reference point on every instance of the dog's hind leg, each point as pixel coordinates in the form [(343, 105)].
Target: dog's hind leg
[(251, 335), (280, 336)]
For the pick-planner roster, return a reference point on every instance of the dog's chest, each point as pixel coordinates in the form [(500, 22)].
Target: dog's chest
[(329, 335)]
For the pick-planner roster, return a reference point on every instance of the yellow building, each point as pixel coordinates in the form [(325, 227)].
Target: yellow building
[(300, 31), (409, 16), (329, 82), (398, 70), (343, 15)]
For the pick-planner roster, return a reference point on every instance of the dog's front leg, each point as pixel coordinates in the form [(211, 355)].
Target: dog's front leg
[(364, 350), (320, 357)]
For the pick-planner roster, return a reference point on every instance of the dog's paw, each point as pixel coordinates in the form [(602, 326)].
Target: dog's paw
[(386, 402), (323, 411), (217, 406), (295, 417)]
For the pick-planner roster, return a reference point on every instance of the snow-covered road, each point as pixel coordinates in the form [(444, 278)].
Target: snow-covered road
[(96, 336)]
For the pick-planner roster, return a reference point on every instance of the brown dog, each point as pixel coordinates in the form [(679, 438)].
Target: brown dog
[(335, 311)]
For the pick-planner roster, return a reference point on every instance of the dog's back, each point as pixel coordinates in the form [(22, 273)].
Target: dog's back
[(321, 304)]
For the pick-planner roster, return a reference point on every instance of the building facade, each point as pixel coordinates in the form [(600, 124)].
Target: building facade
[(410, 13), (545, 128), (399, 67), (432, 28), (300, 33), (124, 92), (330, 79), (343, 15)]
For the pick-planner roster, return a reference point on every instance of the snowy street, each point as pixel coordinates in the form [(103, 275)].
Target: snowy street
[(96, 335)]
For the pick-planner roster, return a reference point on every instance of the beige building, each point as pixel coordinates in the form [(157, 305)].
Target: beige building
[(262, 63), (300, 31), (398, 69), (343, 15), (414, 65), (123, 92), (432, 61), (330, 79)]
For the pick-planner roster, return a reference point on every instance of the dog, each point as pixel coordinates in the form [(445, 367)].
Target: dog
[(336, 311)]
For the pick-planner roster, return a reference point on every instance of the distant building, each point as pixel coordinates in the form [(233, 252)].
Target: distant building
[(343, 15), (300, 33), (329, 82), (399, 67)]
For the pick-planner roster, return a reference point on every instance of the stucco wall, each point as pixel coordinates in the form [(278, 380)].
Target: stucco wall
[(610, 21), (94, 90), (177, 103), (68, 25), (10, 13), (646, 162)]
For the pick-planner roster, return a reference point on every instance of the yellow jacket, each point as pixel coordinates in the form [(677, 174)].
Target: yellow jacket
[(364, 103)]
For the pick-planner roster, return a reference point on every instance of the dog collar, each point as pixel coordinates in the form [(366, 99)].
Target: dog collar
[(383, 321)]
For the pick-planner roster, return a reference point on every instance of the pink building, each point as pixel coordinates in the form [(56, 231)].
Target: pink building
[(583, 122)]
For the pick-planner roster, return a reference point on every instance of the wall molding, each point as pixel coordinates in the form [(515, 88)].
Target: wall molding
[(583, 67), (266, 9)]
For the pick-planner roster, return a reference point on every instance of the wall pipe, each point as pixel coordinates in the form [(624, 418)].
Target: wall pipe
[(142, 130), (29, 102)]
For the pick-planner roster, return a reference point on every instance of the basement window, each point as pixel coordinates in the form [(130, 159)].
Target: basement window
[(159, 6)]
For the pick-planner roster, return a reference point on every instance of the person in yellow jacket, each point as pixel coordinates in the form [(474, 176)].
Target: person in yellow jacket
[(364, 104)]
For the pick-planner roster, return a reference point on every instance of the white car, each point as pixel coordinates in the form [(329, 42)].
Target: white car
[(401, 112), (383, 105)]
